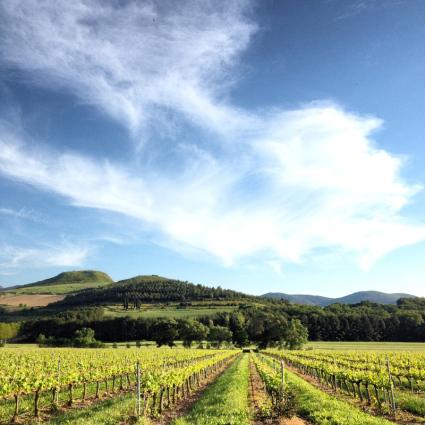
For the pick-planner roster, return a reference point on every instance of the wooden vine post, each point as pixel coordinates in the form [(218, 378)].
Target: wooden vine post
[(282, 378), (138, 401), (56, 397), (392, 398)]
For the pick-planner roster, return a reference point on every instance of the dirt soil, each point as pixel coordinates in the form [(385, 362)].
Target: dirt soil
[(36, 300)]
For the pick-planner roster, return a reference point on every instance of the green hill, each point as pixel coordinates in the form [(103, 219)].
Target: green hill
[(64, 283), (80, 277), (151, 289)]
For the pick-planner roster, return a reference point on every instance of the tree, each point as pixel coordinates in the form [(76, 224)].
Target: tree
[(8, 331), (192, 330), (85, 338), (296, 335), (236, 325), (41, 340), (164, 332), (219, 334)]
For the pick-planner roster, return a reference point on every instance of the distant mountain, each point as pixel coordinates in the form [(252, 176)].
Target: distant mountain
[(356, 297), (299, 299)]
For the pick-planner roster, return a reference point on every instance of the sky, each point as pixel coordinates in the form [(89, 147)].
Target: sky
[(262, 146)]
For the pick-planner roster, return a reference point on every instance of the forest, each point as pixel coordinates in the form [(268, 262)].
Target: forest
[(263, 324), (131, 293)]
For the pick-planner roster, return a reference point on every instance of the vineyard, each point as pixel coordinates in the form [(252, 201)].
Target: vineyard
[(163, 385), (164, 376), (387, 382)]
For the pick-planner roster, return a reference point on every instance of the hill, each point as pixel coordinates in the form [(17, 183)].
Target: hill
[(150, 289), (63, 283), (79, 277), (354, 298)]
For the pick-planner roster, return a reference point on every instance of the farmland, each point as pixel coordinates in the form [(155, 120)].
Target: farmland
[(34, 383), (198, 386), (28, 300)]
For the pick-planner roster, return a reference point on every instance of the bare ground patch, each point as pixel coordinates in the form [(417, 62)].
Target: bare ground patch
[(36, 300)]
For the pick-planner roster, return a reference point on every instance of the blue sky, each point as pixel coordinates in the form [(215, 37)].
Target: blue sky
[(261, 146)]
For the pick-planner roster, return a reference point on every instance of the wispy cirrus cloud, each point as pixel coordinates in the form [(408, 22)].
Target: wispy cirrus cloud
[(62, 255), (274, 184), (135, 61), (22, 213)]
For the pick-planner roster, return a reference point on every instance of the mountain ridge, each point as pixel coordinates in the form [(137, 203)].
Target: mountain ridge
[(354, 298)]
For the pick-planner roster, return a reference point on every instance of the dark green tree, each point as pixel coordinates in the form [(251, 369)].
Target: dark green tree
[(296, 335), (219, 334), (192, 330), (164, 332)]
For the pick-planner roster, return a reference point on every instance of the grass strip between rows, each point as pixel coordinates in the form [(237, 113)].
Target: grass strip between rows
[(225, 401), (107, 412), (323, 409)]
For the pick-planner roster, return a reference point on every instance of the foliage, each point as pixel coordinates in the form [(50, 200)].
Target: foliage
[(8, 331), (365, 374), (219, 334), (164, 332), (296, 335), (191, 330), (266, 325), (34, 371), (83, 338), (283, 400)]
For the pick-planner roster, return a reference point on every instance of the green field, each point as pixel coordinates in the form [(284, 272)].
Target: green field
[(366, 346), (60, 289)]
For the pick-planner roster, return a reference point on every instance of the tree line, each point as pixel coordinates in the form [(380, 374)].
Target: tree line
[(237, 328), (262, 324)]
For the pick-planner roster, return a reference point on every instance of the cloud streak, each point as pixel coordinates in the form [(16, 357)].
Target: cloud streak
[(135, 62), (62, 255), (315, 180), (271, 185)]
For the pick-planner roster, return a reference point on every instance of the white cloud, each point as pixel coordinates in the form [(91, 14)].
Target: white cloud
[(62, 255), (134, 61), (314, 180), (275, 185)]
